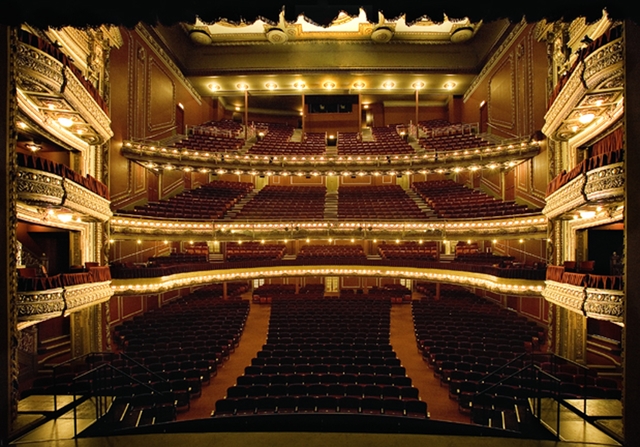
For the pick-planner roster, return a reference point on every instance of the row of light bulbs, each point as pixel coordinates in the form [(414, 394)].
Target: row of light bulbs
[(330, 85)]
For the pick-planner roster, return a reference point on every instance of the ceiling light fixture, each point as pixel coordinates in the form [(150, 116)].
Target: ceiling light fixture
[(358, 85), (242, 86), (388, 85), (418, 85), (329, 85), (299, 85), (449, 85)]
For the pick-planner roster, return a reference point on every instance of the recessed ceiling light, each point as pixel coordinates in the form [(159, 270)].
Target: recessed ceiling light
[(271, 85), (418, 85), (388, 85), (329, 85), (586, 118), (242, 86), (299, 85), (449, 85), (359, 85), (65, 122)]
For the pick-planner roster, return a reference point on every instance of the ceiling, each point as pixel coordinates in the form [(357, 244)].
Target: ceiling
[(383, 60)]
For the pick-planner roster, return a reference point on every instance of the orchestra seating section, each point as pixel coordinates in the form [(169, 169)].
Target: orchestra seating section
[(427, 251), (451, 200), (386, 141), (442, 136), (43, 164), (215, 136), (209, 201), (331, 253), (276, 140), (285, 203), (605, 152), (326, 355), (471, 344), (384, 202), (255, 251)]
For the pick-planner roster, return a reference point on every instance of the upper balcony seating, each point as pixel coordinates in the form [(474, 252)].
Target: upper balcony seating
[(607, 151), (213, 136), (331, 252), (43, 164), (209, 201), (177, 258), (409, 250), (254, 251), (385, 202), (277, 142), (285, 203), (386, 141), (452, 200)]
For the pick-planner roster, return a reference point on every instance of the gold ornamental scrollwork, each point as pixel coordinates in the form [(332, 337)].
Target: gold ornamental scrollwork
[(605, 305)]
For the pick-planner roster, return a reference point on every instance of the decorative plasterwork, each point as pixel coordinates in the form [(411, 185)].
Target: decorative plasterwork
[(594, 303), (162, 55), (85, 295), (142, 286), (358, 28), (565, 295), (42, 78), (83, 201), (601, 73), (43, 189), (605, 305), (130, 227), (500, 156), (605, 183), (34, 307), (40, 188), (495, 58), (567, 198)]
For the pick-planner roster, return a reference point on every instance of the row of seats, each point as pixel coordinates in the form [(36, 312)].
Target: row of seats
[(209, 201), (409, 250), (285, 202), (453, 200), (386, 202), (302, 380)]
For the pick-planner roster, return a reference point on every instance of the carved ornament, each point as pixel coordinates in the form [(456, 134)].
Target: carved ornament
[(84, 295), (567, 198), (605, 183), (565, 295), (605, 305)]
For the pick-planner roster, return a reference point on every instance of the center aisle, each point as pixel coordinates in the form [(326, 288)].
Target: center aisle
[(403, 341), (253, 337)]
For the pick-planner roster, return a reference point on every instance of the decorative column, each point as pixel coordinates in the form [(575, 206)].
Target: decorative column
[(9, 335)]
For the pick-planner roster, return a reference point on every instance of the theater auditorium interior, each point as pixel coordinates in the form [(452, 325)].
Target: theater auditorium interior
[(318, 224)]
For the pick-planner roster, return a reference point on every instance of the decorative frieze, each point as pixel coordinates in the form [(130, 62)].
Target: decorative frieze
[(84, 295), (86, 202), (39, 187), (603, 63), (566, 198), (605, 305), (34, 307), (600, 304), (605, 183), (565, 295)]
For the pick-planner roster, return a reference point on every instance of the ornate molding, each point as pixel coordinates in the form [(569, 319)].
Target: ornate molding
[(86, 202), (567, 198), (34, 307), (603, 63), (39, 187), (605, 305), (568, 98), (152, 42), (85, 295), (44, 75), (605, 183), (132, 227), (565, 295), (495, 58), (144, 286)]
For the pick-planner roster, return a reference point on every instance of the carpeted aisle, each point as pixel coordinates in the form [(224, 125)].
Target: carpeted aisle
[(403, 341), (253, 337)]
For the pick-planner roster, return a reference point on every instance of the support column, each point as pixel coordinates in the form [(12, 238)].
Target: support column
[(437, 297), (224, 290), (8, 313), (631, 332)]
